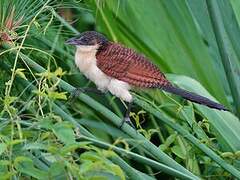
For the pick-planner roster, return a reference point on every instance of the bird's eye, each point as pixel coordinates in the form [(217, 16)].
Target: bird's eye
[(83, 41)]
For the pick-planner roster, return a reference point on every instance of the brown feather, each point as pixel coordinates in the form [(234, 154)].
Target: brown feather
[(127, 65)]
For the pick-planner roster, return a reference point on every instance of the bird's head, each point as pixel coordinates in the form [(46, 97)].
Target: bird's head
[(88, 40)]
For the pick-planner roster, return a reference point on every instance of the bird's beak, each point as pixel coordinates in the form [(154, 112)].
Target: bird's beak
[(72, 41)]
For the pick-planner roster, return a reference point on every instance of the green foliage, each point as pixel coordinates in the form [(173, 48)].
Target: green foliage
[(45, 136)]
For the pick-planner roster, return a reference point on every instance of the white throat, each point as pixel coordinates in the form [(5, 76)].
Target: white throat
[(84, 48), (85, 59)]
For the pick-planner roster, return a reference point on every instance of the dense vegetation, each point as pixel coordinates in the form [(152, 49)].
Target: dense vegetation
[(45, 136)]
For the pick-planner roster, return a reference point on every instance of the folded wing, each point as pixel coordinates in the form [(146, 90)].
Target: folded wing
[(126, 65)]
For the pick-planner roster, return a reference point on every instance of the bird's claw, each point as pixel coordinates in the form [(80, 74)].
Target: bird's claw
[(128, 121), (75, 93)]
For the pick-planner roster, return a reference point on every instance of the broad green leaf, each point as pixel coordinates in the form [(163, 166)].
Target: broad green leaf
[(64, 132)]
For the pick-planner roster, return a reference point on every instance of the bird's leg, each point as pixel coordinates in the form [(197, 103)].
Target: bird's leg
[(126, 119), (77, 91)]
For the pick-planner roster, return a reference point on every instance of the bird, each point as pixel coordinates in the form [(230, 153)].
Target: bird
[(116, 68)]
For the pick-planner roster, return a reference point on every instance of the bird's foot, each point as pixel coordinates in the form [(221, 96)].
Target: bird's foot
[(77, 91), (87, 90), (128, 121)]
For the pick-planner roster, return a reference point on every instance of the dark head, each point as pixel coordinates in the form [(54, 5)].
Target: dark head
[(88, 38)]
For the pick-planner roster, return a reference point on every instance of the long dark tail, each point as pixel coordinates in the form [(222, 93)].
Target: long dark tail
[(193, 97)]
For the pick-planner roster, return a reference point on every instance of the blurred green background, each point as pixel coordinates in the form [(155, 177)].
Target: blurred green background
[(43, 134)]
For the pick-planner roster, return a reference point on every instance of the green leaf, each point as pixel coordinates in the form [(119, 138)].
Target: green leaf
[(57, 95), (64, 132), (59, 72), (72, 147), (91, 156), (178, 152), (57, 171), (170, 140), (227, 155), (8, 100), (46, 122), (117, 171), (6, 175), (20, 72), (35, 145), (15, 141), (25, 165), (188, 114), (3, 147), (85, 166)]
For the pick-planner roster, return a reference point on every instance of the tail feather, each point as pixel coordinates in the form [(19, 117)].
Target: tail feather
[(194, 97)]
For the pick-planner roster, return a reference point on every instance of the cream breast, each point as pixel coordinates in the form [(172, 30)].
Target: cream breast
[(85, 59)]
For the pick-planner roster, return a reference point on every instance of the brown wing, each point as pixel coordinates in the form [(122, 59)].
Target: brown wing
[(127, 65)]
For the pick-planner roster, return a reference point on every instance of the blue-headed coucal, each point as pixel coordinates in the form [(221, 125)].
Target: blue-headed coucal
[(116, 68)]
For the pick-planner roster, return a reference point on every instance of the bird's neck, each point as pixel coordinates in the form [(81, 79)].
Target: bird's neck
[(85, 57)]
